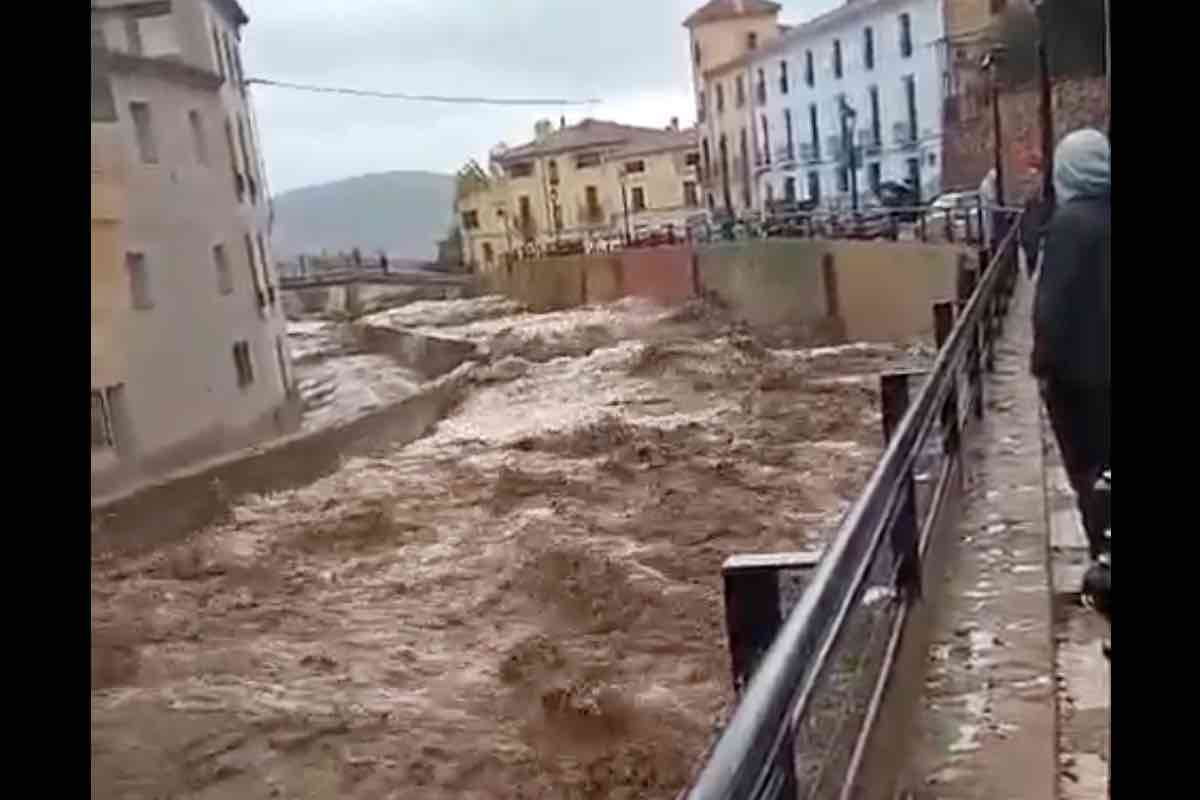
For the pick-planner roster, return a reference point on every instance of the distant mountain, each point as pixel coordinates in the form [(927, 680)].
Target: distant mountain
[(401, 213)]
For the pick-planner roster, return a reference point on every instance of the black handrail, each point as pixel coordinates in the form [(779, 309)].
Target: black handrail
[(751, 758)]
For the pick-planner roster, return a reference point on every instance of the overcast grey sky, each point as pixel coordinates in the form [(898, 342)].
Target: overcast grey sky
[(632, 54)]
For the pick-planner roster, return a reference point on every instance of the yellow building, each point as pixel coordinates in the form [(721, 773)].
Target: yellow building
[(720, 32), (590, 182)]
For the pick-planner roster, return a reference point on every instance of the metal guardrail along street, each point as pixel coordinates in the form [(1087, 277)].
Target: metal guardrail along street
[(821, 715)]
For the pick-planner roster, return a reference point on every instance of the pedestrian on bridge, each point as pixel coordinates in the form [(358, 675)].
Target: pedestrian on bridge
[(1071, 321)]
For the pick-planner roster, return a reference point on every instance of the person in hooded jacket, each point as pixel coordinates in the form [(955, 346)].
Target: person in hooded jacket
[(1071, 320)]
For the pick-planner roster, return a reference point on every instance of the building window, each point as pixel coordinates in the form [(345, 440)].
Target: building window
[(242, 364), (248, 160), (470, 220), (139, 280), (701, 112), (521, 170), (144, 130), (638, 198), (868, 48), (783, 77), (720, 98), (810, 77), (789, 190), (770, 187), (787, 125), (281, 360), (591, 199), (814, 131), (259, 295), (843, 179), (876, 123), (266, 268), (216, 37), (696, 53), (874, 176), (237, 60), (489, 255), (239, 183), (233, 76), (690, 199), (634, 167), (914, 177), (761, 88), (814, 187), (224, 272), (552, 167), (133, 36), (910, 99), (906, 46), (102, 427), (199, 141), (837, 58), (692, 159), (751, 41), (739, 92), (586, 160), (706, 153), (766, 132), (104, 105)]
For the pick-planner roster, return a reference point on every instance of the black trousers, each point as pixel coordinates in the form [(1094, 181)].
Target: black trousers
[(1080, 418)]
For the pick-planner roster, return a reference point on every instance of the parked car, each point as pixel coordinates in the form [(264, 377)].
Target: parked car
[(954, 213), (900, 197)]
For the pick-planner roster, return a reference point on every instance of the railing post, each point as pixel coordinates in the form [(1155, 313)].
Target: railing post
[(905, 534), (943, 324), (759, 592), (990, 316), (967, 280), (923, 233), (950, 225)]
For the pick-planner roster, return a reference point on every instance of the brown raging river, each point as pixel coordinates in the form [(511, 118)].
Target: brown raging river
[(525, 603)]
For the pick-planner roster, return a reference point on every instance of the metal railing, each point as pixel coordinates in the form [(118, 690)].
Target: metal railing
[(820, 715)]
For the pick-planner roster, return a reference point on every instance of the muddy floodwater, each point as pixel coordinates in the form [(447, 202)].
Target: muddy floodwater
[(525, 603)]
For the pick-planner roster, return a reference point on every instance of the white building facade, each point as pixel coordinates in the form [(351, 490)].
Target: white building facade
[(189, 351), (870, 71)]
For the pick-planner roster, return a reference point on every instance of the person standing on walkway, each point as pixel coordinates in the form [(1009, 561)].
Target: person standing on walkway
[(1071, 320), (1037, 210), (987, 198)]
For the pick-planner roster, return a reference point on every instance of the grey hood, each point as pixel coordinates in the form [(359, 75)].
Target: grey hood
[(1081, 166)]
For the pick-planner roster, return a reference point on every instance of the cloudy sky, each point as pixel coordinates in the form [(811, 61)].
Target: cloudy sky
[(631, 54)]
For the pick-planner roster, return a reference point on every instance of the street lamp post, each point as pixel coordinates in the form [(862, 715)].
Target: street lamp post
[(1046, 107), (849, 116), (989, 65)]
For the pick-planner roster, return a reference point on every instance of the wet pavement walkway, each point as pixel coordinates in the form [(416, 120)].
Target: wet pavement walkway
[(1081, 670), (986, 725)]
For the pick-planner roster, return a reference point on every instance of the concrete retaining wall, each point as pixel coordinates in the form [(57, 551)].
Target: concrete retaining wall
[(878, 291), (431, 356), (185, 502), (663, 274)]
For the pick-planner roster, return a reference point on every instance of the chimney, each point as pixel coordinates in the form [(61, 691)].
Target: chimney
[(674, 123)]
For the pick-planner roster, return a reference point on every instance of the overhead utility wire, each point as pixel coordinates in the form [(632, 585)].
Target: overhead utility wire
[(425, 98)]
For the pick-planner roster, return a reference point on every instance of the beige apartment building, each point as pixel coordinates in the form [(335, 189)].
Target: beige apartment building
[(720, 33), (189, 357), (588, 182)]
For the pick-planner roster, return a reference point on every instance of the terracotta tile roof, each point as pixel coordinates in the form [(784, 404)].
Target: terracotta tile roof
[(716, 10), (594, 133)]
